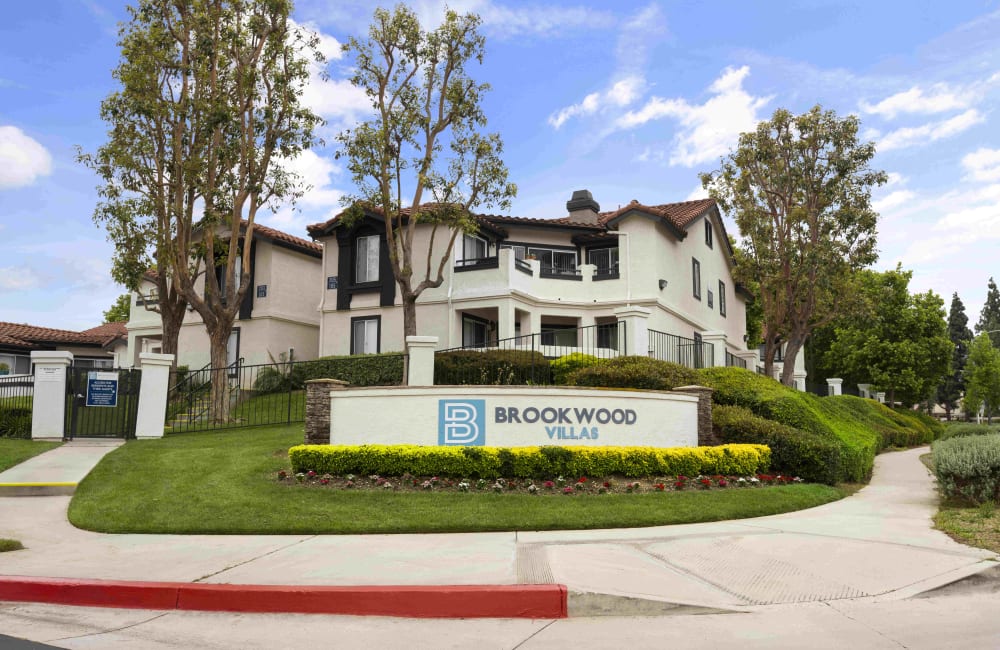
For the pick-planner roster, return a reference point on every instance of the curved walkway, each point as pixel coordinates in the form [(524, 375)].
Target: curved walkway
[(877, 544)]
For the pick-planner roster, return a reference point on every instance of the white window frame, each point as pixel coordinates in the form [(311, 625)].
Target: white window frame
[(368, 342), (363, 264)]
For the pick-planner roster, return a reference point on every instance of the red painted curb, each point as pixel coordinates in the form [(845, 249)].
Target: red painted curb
[(445, 601)]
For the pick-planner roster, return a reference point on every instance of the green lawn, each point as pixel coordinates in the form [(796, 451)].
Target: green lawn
[(223, 482), (967, 524), (13, 451)]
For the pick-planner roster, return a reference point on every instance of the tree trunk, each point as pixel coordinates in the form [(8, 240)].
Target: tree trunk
[(219, 340), (792, 349), (409, 315)]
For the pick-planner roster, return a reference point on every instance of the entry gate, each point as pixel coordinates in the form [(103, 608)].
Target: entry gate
[(101, 402)]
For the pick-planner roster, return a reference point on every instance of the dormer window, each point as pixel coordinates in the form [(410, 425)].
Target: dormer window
[(366, 259)]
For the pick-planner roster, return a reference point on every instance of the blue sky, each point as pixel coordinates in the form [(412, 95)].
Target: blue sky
[(628, 99)]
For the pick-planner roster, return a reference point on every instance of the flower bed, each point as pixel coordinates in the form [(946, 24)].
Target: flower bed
[(559, 486)]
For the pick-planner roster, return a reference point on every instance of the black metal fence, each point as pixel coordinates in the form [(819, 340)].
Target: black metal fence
[(111, 413), (16, 400), (525, 359), (677, 349), (266, 394), (735, 361)]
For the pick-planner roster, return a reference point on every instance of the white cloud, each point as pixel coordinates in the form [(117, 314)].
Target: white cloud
[(318, 203), (697, 193), (892, 200), (540, 20), (18, 278), (336, 100), (707, 130), (983, 164), (620, 94), (938, 99), (930, 132), (22, 159)]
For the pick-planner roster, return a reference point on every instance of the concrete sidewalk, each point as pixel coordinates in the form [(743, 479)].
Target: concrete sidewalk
[(58, 471), (875, 545)]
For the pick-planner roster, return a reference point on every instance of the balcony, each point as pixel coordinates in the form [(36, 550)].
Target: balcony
[(506, 274)]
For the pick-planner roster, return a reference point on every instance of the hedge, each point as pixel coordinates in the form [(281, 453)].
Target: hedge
[(384, 369), (962, 429), (491, 367), (569, 363), (968, 467), (794, 452), (634, 372), (861, 427), (529, 462)]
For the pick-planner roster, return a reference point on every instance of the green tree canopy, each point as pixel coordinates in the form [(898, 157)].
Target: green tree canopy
[(989, 317), (799, 188), (951, 389), (119, 312), (901, 347), (982, 377), (424, 157)]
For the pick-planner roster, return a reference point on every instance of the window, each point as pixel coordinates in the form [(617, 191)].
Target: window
[(366, 259), (708, 232), (554, 259), (722, 298), (519, 251), (472, 248), (607, 335), (475, 332), (365, 335), (16, 364), (696, 278), (559, 335), (605, 259), (710, 305)]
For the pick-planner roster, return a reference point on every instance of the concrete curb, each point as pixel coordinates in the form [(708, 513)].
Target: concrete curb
[(445, 601)]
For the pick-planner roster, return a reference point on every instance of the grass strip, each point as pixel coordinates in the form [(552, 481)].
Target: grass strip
[(14, 451), (223, 483)]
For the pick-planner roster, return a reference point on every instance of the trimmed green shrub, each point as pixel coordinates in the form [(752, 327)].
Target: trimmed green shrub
[(794, 452), (529, 462), (962, 429), (491, 368), (271, 380), (385, 369), (862, 427), (968, 467), (15, 422), (634, 372), (566, 364)]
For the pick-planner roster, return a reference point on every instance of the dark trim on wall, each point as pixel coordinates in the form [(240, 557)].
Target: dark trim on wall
[(347, 249), (246, 306)]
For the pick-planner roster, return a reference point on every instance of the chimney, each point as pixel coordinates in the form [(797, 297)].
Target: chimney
[(583, 208)]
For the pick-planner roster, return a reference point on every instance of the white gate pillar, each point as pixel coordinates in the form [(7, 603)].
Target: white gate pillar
[(834, 386), (48, 406), (420, 370), (153, 387), (718, 340)]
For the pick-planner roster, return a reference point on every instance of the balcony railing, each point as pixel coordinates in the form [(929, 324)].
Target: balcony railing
[(606, 273), (558, 273), (735, 361), (477, 263)]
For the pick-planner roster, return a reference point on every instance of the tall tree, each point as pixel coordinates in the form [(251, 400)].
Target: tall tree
[(209, 105), (951, 389), (982, 378), (989, 317), (119, 311), (799, 188), (425, 103), (901, 347)]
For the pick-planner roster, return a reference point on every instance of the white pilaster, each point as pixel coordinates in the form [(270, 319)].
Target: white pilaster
[(834, 386), (718, 340), (153, 394), (48, 410), (799, 378), (421, 362), (636, 329)]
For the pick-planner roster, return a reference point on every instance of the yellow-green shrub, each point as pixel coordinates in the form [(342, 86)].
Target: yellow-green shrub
[(529, 462)]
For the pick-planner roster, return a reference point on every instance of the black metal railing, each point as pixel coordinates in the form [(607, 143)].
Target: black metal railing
[(735, 361), (525, 359), (266, 394), (606, 273), (476, 263), (522, 266), (678, 349), (95, 408), (16, 402), (559, 273)]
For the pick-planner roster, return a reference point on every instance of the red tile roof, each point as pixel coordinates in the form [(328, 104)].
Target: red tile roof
[(679, 214), (279, 235), (31, 336)]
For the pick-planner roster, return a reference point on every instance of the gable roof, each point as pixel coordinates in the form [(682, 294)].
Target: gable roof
[(281, 237)]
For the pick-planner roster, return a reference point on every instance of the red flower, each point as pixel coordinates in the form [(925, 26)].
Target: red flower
[(567, 490), (660, 486), (607, 484), (722, 482), (549, 484), (311, 474), (679, 485), (324, 481), (582, 479)]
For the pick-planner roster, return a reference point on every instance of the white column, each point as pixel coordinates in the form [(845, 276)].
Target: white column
[(752, 357), (505, 319), (799, 379), (718, 340), (421, 362), (48, 408), (834, 386), (880, 396), (636, 329), (153, 390)]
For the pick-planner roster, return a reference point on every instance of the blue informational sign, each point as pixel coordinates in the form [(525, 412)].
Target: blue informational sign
[(102, 389), (462, 422)]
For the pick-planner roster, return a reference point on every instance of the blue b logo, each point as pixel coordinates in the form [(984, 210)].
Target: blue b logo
[(461, 422)]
